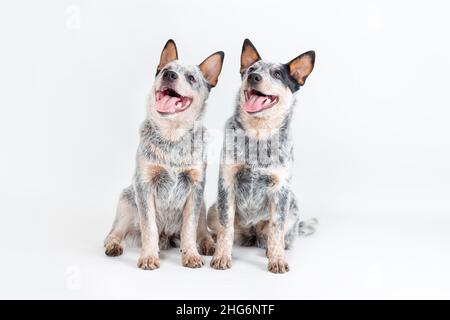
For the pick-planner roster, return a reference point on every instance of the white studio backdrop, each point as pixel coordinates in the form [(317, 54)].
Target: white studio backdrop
[(371, 132)]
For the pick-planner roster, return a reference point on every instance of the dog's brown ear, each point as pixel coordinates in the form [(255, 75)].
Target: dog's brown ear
[(302, 66), (168, 54), (249, 55), (211, 67)]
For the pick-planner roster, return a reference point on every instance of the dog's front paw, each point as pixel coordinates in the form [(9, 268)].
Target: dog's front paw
[(148, 263), (113, 249), (207, 247), (221, 262), (278, 266), (191, 260)]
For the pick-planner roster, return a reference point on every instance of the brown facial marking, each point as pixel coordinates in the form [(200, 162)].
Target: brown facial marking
[(168, 54), (302, 66), (249, 55), (211, 67)]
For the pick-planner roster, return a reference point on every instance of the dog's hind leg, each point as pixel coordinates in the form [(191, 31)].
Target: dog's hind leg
[(204, 239), (122, 223)]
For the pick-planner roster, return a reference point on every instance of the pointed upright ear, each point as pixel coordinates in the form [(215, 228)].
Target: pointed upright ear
[(211, 67), (249, 55), (302, 66), (168, 54)]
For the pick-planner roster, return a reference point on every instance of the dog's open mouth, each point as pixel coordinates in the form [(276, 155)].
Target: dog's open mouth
[(256, 101), (168, 101)]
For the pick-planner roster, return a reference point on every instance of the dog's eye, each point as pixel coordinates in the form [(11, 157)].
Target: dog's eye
[(251, 69), (191, 78), (277, 74)]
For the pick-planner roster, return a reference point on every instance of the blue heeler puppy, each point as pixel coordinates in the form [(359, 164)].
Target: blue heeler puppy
[(164, 205), (255, 204)]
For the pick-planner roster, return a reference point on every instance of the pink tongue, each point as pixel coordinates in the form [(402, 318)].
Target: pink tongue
[(168, 104), (256, 103)]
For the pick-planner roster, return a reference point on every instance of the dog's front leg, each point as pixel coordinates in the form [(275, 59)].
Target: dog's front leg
[(226, 211), (189, 254), (279, 207), (145, 200)]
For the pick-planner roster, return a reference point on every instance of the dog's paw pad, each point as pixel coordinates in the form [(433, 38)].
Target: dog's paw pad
[(148, 263), (207, 247), (278, 266), (192, 261), (113, 250), (221, 262)]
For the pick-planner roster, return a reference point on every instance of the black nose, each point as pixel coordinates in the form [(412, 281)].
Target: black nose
[(254, 78), (170, 75)]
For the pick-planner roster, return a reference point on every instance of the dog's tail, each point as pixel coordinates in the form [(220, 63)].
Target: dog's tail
[(307, 227)]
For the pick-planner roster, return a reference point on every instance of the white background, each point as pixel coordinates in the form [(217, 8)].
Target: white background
[(371, 143)]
